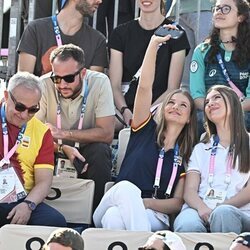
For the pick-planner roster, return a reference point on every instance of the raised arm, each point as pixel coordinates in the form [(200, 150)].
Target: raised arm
[(143, 97)]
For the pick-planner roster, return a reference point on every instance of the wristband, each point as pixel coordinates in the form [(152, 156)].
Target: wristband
[(123, 109)]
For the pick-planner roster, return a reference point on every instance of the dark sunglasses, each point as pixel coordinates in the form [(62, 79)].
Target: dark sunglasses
[(21, 107), (225, 9), (67, 78)]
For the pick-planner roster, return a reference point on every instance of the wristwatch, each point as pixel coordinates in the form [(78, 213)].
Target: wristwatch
[(60, 148), (123, 109), (31, 204)]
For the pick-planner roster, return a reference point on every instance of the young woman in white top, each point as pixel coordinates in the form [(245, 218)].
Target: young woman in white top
[(220, 162)]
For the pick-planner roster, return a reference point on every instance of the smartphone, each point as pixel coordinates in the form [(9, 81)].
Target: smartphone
[(163, 31), (79, 165)]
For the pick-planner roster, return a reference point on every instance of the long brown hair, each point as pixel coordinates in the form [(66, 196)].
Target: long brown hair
[(188, 136), (239, 140)]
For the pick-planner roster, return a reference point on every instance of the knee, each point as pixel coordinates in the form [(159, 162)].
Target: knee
[(101, 149), (223, 212), (126, 189), (112, 219)]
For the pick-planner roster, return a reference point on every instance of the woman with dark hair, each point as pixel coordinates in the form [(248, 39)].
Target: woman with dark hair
[(224, 58), (150, 182), (221, 161), (128, 43)]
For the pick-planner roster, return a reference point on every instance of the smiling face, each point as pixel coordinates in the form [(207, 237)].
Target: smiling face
[(177, 109), (22, 95), (149, 6), (225, 14), (216, 109)]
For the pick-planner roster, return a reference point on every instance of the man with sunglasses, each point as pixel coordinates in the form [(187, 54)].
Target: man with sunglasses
[(41, 36), (26, 156), (241, 242), (78, 106)]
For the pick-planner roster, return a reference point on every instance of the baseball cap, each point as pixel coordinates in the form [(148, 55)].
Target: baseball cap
[(172, 240), (67, 237)]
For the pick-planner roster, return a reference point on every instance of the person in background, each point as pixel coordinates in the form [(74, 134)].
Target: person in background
[(221, 161), (164, 240), (241, 242), (77, 105), (43, 35), (64, 239), (196, 26), (26, 157), (150, 183), (128, 44), (226, 50)]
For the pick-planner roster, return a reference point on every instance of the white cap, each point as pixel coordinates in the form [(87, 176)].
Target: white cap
[(172, 240)]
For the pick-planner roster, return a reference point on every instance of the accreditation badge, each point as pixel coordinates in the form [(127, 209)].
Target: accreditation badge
[(7, 186), (214, 197)]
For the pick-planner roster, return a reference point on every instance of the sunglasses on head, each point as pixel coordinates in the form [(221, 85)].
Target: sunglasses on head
[(225, 9), (21, 107), (67, 78)]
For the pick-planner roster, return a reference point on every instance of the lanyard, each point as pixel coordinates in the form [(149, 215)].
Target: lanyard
[(56, 31), (231, 84), (159, 168), (83, 109), (8, 154), (212, 163)]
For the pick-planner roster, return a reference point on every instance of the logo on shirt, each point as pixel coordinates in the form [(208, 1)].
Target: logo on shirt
[(212, 72), (244, 75), (26, 142), (193, 66)]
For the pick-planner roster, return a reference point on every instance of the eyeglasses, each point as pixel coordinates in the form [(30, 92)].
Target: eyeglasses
[(67, 78), (21, 107), (225, 9)]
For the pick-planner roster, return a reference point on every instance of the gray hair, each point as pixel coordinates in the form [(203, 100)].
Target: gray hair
[(26, 80)]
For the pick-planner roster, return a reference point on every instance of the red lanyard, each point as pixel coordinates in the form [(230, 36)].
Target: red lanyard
[(159, 169), (8, 154), (212, 163)]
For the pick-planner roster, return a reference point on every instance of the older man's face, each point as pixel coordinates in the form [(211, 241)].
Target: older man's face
[(21, 96), (88, 7)]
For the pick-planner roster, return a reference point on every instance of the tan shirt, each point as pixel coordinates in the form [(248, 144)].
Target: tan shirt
[(99, 102)]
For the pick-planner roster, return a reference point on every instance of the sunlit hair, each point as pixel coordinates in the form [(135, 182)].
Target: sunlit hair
[(27, 80), (163, 7), (239, 136), (187, 137), (241, 56), (67, 51)]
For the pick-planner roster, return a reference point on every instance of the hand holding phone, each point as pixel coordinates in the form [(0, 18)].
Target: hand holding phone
[(164, 31), (79, 165)]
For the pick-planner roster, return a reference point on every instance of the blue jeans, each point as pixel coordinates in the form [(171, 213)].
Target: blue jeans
[(44, 215), (223, 219)]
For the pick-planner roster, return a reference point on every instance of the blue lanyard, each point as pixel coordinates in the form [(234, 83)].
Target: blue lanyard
[(231, 84), (56, 31), (8, 154)]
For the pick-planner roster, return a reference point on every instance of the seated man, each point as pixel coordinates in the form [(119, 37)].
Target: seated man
[(79, 109), (27, 159), (64, 239), (41, 36)]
